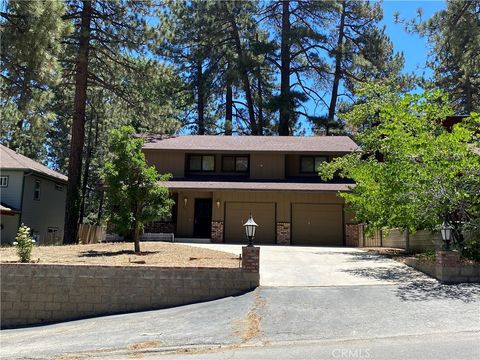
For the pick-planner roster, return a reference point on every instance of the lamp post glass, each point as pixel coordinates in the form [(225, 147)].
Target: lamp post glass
[(446, 231), (250, 227)]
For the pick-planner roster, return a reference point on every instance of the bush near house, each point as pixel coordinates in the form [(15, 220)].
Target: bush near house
[(24, 244)]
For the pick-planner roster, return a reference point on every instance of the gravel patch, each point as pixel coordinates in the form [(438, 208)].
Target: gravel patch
[(153, 254)]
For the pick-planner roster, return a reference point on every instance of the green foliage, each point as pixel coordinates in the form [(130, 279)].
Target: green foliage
[(428, 256), (453, 34), (31, 33), (471, 244), (24, 244), (134, 196), (425, 171)]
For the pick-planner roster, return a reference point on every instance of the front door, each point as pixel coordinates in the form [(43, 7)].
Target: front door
[(202, 225)]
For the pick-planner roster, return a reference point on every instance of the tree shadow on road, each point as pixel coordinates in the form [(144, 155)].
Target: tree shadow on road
[(356, 256), (416, 286)]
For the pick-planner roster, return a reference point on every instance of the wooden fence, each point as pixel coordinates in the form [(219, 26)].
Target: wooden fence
[(422, 240), (90, 234)]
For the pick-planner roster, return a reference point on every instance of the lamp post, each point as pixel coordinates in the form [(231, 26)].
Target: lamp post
[(250, 227), (446, 231)]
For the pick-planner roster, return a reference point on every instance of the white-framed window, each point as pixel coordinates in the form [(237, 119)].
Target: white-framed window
[(36, 190), (59, 187), (4, 181)]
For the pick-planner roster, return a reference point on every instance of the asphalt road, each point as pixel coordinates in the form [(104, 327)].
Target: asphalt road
[(395, 321), (359, 307)]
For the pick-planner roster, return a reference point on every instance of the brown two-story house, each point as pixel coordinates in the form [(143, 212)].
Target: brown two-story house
[(217, 181)]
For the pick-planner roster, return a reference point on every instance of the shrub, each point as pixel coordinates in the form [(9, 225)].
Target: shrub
[(24, 243), (471, 243)]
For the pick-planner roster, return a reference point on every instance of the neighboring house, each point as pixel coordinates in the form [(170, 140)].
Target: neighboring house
[(219, 180), (31, 194)]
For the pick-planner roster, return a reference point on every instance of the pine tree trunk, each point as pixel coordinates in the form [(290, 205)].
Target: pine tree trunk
[(200, 100), (338, 67), (78, 129), (228, 110), (284, 120), (22, 104), (244, 74), (260, 103), (86, 171), (100, 207), (260, 121), (468, 96)]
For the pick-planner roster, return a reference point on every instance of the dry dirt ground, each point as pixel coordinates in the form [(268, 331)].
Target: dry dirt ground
[(153, 254)]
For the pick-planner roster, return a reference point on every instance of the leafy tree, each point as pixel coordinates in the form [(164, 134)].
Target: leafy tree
[(134, 196), (412, 171), (105, 51)]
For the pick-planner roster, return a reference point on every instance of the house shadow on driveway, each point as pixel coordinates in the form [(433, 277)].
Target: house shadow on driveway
[(416, 286)]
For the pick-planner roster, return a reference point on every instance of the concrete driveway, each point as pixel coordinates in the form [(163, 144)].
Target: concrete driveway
[(324, 266)]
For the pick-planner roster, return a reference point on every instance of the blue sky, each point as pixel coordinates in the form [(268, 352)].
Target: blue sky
[(414, 48)]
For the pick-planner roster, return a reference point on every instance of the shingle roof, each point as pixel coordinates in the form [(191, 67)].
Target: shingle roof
[(255, 186), (9, 159), (304, 144), (8, 210)]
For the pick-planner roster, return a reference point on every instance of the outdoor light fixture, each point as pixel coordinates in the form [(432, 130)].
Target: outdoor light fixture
[(185, 201), (218, 203), (250, 227), (446, 231)]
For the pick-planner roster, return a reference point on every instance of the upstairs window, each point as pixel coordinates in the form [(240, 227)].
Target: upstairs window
[(201, 163), (3, 181), (235, 164), (36, 190), (310, 164)]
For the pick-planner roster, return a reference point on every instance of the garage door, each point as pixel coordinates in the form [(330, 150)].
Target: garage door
[(236, 214), (317, 224)]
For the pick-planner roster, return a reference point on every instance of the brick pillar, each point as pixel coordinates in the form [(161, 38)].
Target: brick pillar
[(352, 235), (217, 231), (283, 233), (447, 258), (447, 266), (251, 259)]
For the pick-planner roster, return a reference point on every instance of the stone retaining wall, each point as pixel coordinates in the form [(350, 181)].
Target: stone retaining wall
[(447, 268), (40, 293)]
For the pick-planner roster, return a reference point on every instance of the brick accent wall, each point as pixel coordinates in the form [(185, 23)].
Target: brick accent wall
[(283, 233), (38, 293), (159, 227), (217, 231), (352, 235), (251, 259)]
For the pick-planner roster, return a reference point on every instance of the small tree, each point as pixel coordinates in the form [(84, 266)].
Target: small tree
[(134, 196), (24, 244)]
